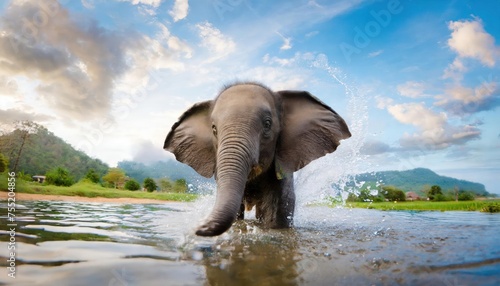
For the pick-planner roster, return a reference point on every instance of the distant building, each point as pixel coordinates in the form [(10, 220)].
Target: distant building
[(39, 179), (412, 196)]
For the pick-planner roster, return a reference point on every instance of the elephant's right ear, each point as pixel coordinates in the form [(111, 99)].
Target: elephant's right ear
[(191, 139)]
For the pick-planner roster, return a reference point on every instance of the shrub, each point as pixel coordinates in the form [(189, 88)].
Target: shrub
[(92, 176), (393, 194), (466, 196), (132, 185), (491, 208), (150, 184), (59, 177), (115, 177), (440, 198), (4, 163), (435, 194), (180, 186)]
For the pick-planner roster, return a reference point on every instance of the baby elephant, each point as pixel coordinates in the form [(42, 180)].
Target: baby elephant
[(253, 139)]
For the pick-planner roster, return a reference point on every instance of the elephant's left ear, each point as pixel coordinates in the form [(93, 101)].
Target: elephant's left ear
[(310, 129)]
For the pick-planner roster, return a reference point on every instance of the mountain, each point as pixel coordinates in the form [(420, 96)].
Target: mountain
[(170, 169), (43, 151), (419, 179)]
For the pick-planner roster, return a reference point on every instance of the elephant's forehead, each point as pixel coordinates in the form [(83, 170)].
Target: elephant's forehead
[(245, 97)]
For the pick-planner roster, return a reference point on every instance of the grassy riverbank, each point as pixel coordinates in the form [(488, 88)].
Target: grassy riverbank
[(90, 190), (477, 205)]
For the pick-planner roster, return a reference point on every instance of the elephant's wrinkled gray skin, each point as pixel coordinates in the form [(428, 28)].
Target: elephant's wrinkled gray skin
[(253, 139)]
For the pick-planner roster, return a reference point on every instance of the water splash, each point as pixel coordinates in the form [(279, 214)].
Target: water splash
[(333, 176), (330, 176)]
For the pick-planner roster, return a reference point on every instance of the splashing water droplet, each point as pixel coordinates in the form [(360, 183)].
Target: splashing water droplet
[(332, 175)]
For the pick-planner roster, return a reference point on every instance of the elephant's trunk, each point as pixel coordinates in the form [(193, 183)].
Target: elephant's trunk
[(234, 162)]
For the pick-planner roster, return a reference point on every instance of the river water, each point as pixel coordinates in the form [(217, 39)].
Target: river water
[(63, 243)]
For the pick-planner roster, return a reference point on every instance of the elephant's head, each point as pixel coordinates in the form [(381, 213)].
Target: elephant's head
[(249, 129)]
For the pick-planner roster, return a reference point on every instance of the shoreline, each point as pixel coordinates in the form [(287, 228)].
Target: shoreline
[(40, 197)]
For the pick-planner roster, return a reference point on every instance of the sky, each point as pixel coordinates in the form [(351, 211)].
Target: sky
[(416, 81)]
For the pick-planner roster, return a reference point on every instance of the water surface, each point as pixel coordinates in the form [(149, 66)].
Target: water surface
[(63, 243)]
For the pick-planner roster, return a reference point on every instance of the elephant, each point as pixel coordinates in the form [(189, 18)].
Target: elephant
[(252, 140)]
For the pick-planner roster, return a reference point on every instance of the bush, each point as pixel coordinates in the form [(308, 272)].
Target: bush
[(150, 184), (59, 177), (180, 186), (4, 163), (466, 196), (435, 194), (132, 185), (393, 194), (491, 208), (92, 176), (440, 198)]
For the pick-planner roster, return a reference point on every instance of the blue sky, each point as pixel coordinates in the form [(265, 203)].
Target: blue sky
[(417, 81)]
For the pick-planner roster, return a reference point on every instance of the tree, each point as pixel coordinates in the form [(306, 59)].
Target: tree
[(4, 163), (92, 176), (180, 186), (115, 177), (165, 185), (465, 196), (59, 177), (435, 193), (27, 128), (150, 184), (394, 194), (132, 185)]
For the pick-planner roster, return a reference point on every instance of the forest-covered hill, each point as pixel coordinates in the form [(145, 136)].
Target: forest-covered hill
[(419, 179), (43, 151)]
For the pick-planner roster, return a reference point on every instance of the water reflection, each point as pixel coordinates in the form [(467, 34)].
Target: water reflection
[(61, 243), (253, 258)]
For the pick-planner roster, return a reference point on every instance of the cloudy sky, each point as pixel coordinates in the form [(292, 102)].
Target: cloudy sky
[(417, 81)]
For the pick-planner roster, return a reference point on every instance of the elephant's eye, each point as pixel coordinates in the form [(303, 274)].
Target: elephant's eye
[(267, 124), (214, 130)]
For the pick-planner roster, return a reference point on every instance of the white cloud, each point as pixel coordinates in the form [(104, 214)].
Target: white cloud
[(146, 152), (180, 10), (280, 61), (149, 55), (217, 43), (8, 87), (73, 64), (469, 95), (412, 89), (384, 102), (433, 129), (8, 116), (455, 70), (89, 4), (287, 42), (154, 3), (312, 34), (461, 100), (277, 78), (375, 54), (470, 40)]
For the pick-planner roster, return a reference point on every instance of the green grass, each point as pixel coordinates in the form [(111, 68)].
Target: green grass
[(90, 190), (482, 205)]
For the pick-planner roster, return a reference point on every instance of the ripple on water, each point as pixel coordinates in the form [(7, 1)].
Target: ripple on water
[(339, 246)]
